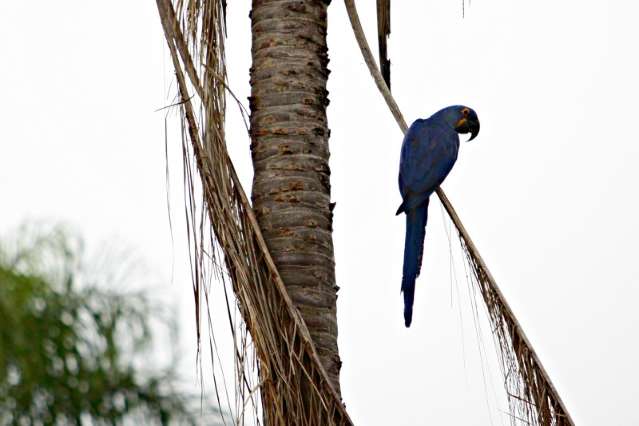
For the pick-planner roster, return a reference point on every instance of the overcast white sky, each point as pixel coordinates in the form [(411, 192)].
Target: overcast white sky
[(547, 190)]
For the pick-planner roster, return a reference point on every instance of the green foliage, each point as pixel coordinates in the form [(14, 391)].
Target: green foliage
[(67, 351)]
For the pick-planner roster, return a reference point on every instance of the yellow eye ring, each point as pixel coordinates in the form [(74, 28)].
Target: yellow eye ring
[(465, 112)]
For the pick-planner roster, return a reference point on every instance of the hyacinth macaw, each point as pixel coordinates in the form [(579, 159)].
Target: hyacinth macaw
[(428, 153)]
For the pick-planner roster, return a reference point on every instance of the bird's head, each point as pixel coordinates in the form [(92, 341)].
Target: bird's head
[(462, 119)]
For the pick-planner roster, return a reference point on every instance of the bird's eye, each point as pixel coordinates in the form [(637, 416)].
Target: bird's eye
[(465, 112)]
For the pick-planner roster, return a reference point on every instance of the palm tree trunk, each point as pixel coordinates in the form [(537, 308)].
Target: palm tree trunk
[(289, 144)]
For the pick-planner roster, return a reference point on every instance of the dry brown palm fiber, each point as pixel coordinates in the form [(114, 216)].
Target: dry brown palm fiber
[(293, 386), (383, 31), (532, 397)]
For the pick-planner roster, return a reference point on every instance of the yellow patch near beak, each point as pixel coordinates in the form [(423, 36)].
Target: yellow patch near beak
[(461, 122)]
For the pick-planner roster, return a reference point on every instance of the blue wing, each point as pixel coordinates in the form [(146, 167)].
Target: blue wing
[(429, 152)]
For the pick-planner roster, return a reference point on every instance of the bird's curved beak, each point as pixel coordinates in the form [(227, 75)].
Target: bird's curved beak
[(474, 129), (468, 125)]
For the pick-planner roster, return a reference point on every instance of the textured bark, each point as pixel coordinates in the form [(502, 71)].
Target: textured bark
[(289, 144)]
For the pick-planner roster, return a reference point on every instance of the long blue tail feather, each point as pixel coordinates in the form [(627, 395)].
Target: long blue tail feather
[(416, 219)]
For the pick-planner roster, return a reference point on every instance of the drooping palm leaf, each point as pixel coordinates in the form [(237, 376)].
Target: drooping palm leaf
[(293, 386)]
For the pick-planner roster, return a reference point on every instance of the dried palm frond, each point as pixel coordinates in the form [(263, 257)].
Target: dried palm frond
[(293, 386), (532, 397), (383, 31)]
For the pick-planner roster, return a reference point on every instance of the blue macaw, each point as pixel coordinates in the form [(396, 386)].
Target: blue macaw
[(428, 153)]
